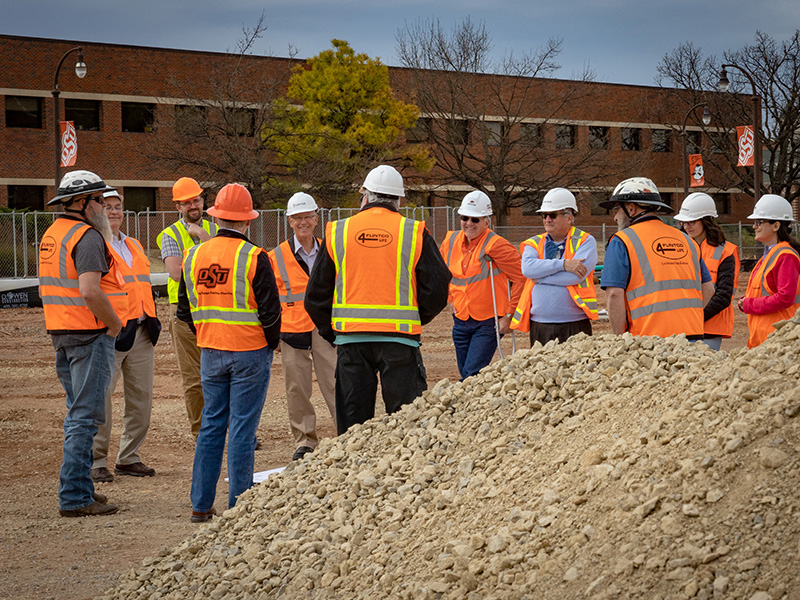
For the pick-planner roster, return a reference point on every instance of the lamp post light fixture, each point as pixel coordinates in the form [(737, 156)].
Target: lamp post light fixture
[(723, 86), (706, 121), (80, 71)]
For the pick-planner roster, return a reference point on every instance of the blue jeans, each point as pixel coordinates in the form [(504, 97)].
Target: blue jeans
[(234, 388), (475, 342), (85, 372)]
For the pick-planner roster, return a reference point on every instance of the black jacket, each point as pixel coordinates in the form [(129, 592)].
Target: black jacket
[(433, 280), (264, 290)]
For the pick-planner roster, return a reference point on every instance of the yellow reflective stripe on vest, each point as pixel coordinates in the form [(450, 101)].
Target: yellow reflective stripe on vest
[(482, 259)]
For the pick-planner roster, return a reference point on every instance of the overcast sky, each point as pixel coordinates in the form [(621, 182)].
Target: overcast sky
[(622, 41)]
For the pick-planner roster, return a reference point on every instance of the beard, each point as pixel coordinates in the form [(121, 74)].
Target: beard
[(623, 223), (99, 221)]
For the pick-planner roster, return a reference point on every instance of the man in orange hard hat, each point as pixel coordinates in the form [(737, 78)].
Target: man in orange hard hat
[(228, 296), (176, 239)]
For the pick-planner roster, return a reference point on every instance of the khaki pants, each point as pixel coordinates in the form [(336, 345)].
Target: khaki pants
[(136, 369), (297, 366), (188, 354)]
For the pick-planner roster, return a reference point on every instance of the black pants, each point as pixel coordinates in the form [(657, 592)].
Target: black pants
[(545, 332), (357, 366)]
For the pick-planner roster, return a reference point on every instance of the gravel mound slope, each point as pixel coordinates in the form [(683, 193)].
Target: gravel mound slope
[(605, 467)]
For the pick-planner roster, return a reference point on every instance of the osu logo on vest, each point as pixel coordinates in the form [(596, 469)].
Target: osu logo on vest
[(47, 247), (670, 248), (374, 238), (212, 276)]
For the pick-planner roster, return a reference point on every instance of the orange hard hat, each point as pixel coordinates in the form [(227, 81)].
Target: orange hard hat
[(233, 203), (185, 189)]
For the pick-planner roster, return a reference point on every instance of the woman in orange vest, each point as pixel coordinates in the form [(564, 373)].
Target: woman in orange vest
[(773, 291), (482, 263), (721, 257)]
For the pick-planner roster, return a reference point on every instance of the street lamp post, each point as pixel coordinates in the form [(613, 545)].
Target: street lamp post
[(723, 86), (706, 121), (80, 71)]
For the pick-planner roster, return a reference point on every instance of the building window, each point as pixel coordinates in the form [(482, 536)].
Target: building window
[(565, 136), (667, 197), (723, 202), (493, 132), (26, 196), (23, 111), (420, 132), (139, 199), (661, 138), (457, 132), (137, 117), (85, 114), (594, 202), (630, 138), (241, 121), (692, 142), (530, 134), (598, 138), (191, 120)]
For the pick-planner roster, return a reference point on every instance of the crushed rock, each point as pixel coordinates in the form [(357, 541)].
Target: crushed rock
[(604, 467)]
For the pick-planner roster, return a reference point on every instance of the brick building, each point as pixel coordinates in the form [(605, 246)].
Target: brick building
[(631, 128)]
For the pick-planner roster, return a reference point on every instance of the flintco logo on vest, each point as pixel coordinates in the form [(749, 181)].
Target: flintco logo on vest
[(670, 248), (212, 276), (374, 238)]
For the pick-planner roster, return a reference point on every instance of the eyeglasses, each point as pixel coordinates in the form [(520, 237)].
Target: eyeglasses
[(553, 215), (191, 202), (760, 222), (464, 218), (113, 208)]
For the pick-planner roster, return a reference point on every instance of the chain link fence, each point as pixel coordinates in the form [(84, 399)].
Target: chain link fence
[(21, 233)]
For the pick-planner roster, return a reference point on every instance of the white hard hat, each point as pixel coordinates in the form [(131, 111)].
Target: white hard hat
[(300, 203), (77, 183), (638, 190), (772, 207), (558, 199), (696, 206), (386, 180), (476, 204)]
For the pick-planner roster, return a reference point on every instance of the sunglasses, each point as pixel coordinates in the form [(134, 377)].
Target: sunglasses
[(473, 219), (553, 215)]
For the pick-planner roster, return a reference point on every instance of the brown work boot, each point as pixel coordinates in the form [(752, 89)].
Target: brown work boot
[(202, 516), (137, 469), (101, 474), (94, 509)]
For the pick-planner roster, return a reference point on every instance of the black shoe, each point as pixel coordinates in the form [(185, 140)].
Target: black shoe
[(301, 452)]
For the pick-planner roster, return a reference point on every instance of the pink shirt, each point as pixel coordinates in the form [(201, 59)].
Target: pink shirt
[(783, 277)]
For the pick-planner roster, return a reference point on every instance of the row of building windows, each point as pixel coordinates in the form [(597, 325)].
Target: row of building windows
[(32, 197), (137, 117), (493, 133)]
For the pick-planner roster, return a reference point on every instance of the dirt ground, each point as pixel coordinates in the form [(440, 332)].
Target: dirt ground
[(50, 557)]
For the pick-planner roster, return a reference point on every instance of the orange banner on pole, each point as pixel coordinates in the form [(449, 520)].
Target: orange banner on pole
[(747, 146), (696, 168), (69, 144)]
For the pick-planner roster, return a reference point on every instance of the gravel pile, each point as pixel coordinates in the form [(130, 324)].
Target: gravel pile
[(605, 467)]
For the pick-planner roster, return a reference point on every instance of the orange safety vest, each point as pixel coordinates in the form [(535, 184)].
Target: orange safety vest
[(471, 287), (722, 322), (583, 294), (664, 295), (219, 285), (64, 308), (375, 253), (757, 287), (137, 281), (292, 281)]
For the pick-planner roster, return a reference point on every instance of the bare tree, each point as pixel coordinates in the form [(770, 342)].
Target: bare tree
[(219, 133), (485, 118), (775, 68)]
